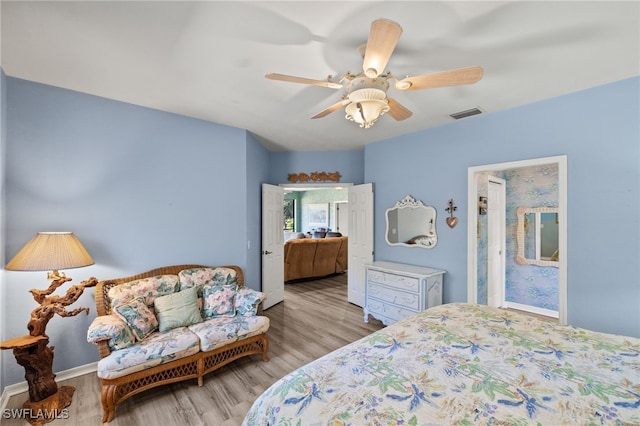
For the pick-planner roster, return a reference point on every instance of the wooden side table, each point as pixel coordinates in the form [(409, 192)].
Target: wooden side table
[(46, 401)]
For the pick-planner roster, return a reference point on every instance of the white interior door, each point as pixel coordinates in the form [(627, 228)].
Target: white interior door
[(496, 207), (272, 244), (360, 239)]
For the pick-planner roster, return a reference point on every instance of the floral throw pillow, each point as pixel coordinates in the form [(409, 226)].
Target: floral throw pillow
[(247, 301), (112, 329), (149, 288), (138, 317), (199, 277), (219, 300)]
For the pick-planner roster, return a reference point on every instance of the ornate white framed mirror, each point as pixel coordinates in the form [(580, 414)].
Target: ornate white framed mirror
[(537, 236), (411, 223)]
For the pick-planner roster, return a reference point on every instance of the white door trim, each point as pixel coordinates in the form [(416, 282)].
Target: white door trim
[(337, 207), (472, 220)]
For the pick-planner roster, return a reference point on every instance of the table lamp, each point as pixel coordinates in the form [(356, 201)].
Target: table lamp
[(45, 252)]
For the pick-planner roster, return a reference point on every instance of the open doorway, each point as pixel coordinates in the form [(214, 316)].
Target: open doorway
[(315, 207), (358, 201), (289, 215), (528, 173)]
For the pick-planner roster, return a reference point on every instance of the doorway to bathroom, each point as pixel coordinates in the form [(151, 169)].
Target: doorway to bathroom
[(535, 286)]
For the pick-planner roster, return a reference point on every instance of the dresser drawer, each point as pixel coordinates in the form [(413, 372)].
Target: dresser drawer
[(394, 291), (391, 295), (378, 309), (400, 281)]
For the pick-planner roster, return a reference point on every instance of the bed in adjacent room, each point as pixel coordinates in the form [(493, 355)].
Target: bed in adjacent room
[(463, 364)]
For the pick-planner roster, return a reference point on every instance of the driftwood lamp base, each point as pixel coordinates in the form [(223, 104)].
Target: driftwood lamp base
[(50, 408), (46, 401)]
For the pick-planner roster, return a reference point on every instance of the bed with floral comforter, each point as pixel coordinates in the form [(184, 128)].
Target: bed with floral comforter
[(463, 364)]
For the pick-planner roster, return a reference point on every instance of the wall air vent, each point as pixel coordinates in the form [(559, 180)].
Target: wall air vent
[(466, 113)]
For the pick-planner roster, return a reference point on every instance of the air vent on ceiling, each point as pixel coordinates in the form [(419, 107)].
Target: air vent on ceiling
[(465, 113)]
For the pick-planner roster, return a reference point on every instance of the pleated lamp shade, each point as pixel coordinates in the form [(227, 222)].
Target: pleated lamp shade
[(51, 250)]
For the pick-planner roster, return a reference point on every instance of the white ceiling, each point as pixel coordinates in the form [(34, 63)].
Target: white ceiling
[(208, 59)]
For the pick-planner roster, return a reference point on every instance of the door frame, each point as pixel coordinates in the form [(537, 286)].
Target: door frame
[(351, 278), (337, 205), (472, 228)]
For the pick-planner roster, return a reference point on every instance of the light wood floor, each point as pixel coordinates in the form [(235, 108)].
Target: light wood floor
[(314, 319)]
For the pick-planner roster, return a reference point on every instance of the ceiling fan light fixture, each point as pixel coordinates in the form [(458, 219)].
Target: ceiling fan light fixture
[(365, 93), (366, 106)]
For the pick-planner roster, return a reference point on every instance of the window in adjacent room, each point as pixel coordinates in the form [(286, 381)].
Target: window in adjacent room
[(289, 215)]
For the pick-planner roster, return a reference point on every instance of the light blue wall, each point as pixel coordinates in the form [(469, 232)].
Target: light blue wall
[(598, 130), (257, 174), (143, 188), (350, 164), (140, 188)]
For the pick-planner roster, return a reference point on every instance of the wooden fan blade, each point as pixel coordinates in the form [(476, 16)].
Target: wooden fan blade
[(383, 37), (457, 77), (331, 109), (397, 111), (302, 80)]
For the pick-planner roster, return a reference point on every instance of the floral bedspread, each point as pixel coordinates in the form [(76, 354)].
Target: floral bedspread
[(463, 364)]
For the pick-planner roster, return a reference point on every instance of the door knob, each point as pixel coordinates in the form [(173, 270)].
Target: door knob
[(267, 252)]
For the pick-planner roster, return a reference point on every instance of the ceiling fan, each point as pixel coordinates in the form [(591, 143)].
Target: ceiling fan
[(365, 94)]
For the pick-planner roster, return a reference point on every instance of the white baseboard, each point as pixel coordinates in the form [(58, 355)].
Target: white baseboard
[(532, 309), (17, 388)]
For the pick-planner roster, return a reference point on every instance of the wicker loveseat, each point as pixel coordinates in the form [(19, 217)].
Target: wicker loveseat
[(227, 326)]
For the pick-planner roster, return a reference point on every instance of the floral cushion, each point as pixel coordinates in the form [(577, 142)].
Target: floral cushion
[(217, 332), (158, 348), (149, 288), (198, 277), (178, 309), (111, 328), (219, 300), (247, 301), (138, 317)]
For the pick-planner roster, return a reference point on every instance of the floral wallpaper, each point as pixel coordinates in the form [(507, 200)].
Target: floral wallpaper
[(525, 284)]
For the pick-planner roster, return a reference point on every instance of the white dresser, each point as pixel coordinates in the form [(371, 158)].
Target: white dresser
[(394, 291)]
